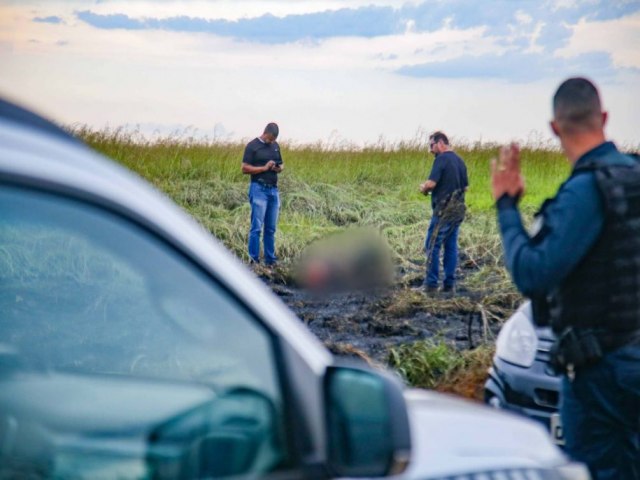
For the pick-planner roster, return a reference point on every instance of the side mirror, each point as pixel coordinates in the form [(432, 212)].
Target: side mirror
[(367, 424)]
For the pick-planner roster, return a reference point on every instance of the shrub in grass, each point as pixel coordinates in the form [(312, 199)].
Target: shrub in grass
[(439, 366), (424, 363)]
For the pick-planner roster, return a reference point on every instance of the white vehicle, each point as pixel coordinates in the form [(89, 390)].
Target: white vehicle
[(134, 345), (521, 379)]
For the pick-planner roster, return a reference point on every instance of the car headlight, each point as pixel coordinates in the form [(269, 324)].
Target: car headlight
[(517, 341)]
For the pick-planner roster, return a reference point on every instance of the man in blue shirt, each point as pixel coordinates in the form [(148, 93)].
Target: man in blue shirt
[(263, 161), (580, 265), (447, 183)]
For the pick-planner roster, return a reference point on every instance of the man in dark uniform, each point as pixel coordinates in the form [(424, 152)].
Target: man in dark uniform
[(447, 183), (580, 266), (263, 161)]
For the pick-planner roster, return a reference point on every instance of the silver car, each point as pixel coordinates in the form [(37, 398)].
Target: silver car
[(134, 345)]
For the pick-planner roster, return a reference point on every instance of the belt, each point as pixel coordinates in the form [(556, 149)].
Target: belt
[(265, 183), (578, 348)]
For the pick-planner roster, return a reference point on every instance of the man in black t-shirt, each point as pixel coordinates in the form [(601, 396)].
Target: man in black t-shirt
[(447, 183), (262, 160)]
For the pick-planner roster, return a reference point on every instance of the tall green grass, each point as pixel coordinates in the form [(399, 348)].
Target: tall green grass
[(324, 190)]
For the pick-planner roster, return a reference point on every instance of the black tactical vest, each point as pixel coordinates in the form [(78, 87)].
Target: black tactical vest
[(603, 292)]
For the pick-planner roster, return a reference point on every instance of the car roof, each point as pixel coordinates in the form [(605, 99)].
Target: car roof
[(36, 152), (21, 116)]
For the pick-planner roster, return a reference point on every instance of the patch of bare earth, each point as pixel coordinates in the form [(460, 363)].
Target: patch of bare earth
[(368, 324)]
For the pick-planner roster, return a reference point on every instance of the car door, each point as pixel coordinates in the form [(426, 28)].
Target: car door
[(121, 357)]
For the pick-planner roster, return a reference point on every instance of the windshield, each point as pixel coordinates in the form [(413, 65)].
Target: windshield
[(118, 332)]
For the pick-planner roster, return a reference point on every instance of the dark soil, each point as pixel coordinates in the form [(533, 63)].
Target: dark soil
[(369, 323)]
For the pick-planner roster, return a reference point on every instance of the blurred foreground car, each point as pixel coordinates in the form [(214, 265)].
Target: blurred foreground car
[(521, 379), (133, 345)]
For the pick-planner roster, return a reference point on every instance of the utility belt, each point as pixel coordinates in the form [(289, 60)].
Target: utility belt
[(576, 348)]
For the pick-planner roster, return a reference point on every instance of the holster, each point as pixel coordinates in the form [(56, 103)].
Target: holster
[(574, 349), (541, 311)]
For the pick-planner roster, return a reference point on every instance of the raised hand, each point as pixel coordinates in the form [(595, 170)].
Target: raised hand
[(505, 173)]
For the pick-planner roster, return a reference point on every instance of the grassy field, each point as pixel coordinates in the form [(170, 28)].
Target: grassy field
[(327, 190)]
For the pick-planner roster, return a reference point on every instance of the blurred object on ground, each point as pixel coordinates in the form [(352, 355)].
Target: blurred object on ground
[(351, 260)]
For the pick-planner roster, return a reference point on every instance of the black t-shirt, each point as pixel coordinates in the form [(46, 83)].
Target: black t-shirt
[(258, 153), (450, 174)]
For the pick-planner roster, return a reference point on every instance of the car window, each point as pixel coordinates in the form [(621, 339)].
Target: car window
[(94, 302)]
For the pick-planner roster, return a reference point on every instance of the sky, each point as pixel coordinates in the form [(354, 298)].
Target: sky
[(339, 72)]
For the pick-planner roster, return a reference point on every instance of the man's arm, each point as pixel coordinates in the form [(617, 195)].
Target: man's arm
[(279, 164), (252, 170), (427, 187), (247, 163), (434, 177), (572, 225)]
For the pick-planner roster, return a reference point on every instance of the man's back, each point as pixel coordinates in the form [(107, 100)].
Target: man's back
[(450, 174)]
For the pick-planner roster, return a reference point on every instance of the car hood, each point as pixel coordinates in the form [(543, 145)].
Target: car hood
[(452, 433)]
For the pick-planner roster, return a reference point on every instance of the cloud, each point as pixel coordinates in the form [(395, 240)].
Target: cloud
[(517, 67), (553, 36), (511, 22), (108, 22), (363, 22), (524, 38), (51, 19), (610, 10)]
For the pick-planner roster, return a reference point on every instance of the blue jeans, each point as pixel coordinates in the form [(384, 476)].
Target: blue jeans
[(441, 233), (265, 205), (601, 415)]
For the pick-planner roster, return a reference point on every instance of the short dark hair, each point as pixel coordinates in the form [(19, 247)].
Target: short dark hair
[(272, 129), (437, 136), (576, 105)]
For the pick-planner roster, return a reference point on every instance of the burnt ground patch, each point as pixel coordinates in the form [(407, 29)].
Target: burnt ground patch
[(368, 324)]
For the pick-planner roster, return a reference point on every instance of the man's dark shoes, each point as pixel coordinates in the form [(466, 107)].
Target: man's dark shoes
[(449, 290), (431, 289)]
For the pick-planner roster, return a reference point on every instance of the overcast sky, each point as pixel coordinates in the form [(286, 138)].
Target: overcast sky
[(339, 71)]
